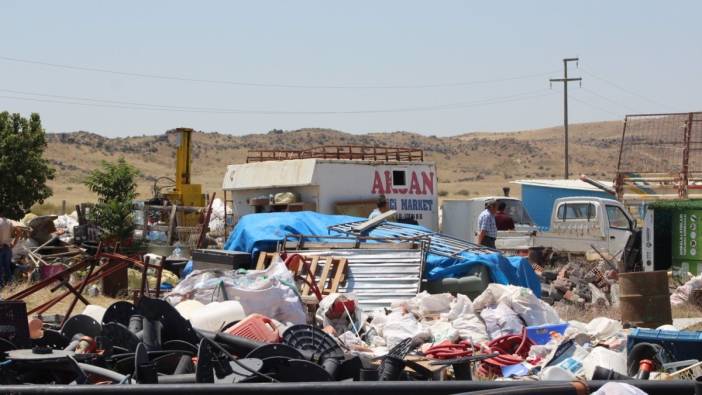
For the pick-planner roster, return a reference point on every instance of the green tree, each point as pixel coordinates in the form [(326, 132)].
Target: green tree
[(115, 185), (22, 166)]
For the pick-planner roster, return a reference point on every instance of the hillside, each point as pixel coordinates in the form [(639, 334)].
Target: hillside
[(468, 164)]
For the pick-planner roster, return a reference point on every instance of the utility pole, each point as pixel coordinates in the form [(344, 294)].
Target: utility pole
[(565, 80)]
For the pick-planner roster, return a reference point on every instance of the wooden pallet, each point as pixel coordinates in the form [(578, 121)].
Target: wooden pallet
[(329, 272)]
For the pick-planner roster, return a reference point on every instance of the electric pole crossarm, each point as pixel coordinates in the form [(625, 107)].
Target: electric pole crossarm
[(565, 79)]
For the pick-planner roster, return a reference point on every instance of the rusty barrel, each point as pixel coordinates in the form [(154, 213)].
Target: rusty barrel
[(644, 299)]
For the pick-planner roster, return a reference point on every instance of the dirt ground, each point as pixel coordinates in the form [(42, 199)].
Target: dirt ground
[(45, 295)]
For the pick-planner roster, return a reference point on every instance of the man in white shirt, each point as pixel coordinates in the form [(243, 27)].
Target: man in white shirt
[(6, 244), (382, 207), (487, 228)]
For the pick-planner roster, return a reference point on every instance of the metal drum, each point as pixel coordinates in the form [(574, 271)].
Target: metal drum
[(645, 300)]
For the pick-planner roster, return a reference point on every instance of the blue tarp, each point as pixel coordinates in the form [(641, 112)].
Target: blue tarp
[(262, 232)]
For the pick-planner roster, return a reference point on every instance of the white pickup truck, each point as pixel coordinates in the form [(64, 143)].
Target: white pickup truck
[(577, 223)]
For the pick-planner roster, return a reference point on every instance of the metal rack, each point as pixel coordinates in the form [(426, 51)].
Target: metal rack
[(352, 152), (439, 244)]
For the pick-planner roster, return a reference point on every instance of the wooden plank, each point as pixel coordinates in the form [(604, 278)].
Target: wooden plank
[(371, 223), (313, 269), (339, 275), (261, 264), (322, 283), (265, 259)]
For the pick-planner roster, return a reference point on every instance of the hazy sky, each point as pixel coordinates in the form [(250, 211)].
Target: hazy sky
[(433, 67)]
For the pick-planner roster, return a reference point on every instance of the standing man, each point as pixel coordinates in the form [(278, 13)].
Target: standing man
[(503, 220), (6, 245), (487, 228), (382, 207)]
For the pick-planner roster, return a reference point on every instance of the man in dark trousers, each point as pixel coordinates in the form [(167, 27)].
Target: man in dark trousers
[(503, 220)]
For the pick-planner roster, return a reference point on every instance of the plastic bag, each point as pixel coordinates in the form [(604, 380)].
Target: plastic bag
[(602, 328), (471, 327), (501, 321), (269, 292), (618, 388), (490, 297), (531, 309), (681, 295), (428, 304), (442, 330), (399, 326), (461, 305), (522, 301), (217, 219)]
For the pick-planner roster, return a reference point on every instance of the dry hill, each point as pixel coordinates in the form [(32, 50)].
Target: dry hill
[(468, 164)]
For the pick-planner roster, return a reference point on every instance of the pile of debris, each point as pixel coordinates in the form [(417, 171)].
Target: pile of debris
[(43, 245), (579, 281)]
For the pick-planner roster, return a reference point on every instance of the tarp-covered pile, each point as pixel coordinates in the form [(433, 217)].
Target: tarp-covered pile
[(262, 232)]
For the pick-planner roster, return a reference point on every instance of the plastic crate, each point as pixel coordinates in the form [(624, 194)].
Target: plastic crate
[(255, 327), (681, 345), (542, 334)]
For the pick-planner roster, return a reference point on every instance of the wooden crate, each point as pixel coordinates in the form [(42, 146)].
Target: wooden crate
[(329, 272)]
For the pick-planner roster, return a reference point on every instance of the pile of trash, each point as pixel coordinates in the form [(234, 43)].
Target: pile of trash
[(507, 329), (43, 245)]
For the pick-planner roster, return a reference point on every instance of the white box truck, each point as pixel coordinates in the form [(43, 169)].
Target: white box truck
[(338, 186)]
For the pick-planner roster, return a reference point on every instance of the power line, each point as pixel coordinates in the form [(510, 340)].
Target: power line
[(597, 107), (590, 91), (268, 85), (91, 102), (625, 89)]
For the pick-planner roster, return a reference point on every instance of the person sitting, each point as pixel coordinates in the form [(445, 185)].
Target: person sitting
[(503, 220), (382, 207)]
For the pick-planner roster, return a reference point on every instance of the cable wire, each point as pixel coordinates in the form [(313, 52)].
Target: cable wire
[(596, 107), (590, 91), (92, 102), (269, 85), (624, 89)]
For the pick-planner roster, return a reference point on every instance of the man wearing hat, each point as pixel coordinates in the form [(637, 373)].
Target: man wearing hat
[(382, 207), (487, 228)]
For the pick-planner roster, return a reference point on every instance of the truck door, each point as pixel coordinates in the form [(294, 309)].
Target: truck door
[(620, 228)]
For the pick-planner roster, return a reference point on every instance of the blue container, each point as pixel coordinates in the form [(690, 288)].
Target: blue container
[(542, 334), (681, 345)]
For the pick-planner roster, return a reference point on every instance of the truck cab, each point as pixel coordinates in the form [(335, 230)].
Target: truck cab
[(578, 222)]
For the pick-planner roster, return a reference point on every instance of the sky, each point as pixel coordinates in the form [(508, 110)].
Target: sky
[(440, 68)]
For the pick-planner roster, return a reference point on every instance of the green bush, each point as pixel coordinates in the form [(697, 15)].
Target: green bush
[(115, 185)]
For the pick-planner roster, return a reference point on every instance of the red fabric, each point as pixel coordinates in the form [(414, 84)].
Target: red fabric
[(504, 221)]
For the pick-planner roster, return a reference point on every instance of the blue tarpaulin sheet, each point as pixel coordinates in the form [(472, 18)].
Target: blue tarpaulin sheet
[(262, 232)]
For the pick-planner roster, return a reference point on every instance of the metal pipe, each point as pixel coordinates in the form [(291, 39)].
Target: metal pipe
[(110, 374)]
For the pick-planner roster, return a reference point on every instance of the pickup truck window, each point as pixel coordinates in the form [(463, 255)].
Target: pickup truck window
[(617, 218), (516, 210), (576, 212)]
